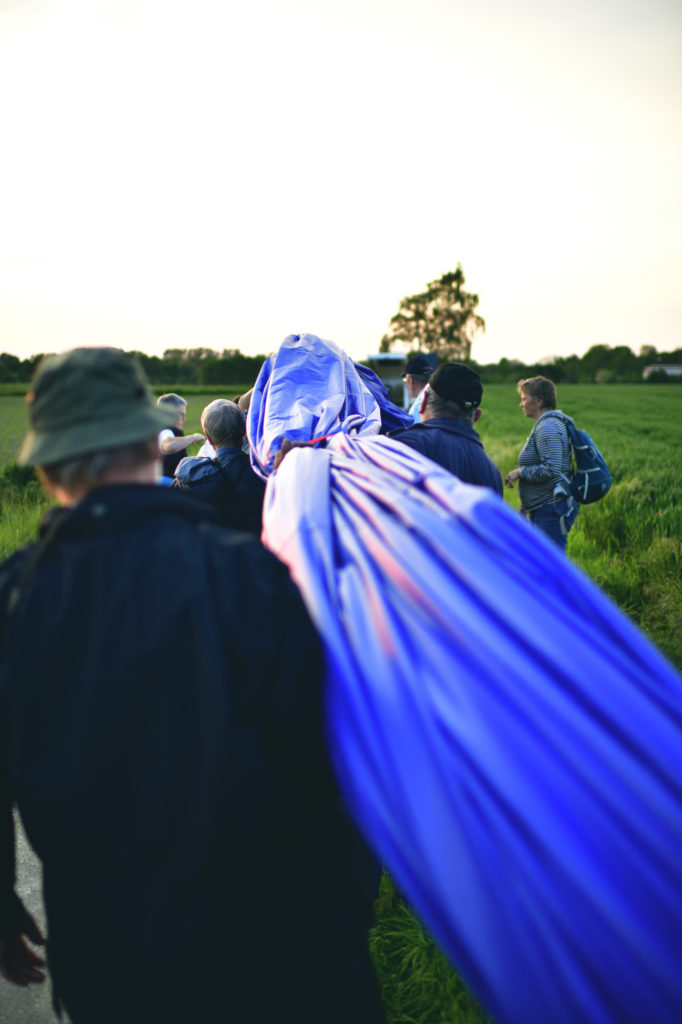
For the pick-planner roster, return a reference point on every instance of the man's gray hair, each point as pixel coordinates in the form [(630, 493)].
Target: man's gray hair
[(89, 469), (224, 422), (171, 399), (438, 406)]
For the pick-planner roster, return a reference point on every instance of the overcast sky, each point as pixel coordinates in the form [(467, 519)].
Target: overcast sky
[(223, 174)]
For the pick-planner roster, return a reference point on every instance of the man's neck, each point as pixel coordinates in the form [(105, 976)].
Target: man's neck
[(426, 416), (142, 474)]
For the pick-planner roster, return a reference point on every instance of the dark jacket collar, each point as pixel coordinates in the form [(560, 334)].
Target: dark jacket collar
[(451, 425), (228, 454), (116, 506)]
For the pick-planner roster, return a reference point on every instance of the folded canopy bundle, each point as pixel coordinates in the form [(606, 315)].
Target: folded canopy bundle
[(506, 739), (310, 388)]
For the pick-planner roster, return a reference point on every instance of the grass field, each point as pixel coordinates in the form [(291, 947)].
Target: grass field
[(630, 543)]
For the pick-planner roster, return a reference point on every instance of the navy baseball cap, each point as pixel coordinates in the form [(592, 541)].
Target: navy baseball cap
[(418, 365), (456, 382)]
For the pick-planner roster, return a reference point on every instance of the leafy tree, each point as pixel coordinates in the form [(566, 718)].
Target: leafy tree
[(442, 319), (602, 363), (231, 368), (567, 368), (151, 365), (670, 357), (10, 367), (598, 357), (624, 363)]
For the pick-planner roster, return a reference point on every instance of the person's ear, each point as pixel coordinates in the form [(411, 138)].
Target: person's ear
[(477, 415), (422, 404)]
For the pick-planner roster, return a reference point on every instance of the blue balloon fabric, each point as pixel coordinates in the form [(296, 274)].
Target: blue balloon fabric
[(392, 418), (508, 741), (310, 388)]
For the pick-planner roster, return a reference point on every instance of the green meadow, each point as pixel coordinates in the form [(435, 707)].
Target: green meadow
[(630, 544)]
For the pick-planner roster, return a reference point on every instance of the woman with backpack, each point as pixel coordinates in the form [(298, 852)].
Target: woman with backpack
[(545, 463)]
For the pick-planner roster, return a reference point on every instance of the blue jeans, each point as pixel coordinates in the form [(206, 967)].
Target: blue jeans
[(555, 519)]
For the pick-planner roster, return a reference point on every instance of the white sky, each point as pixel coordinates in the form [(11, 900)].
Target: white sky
[(222, 174)]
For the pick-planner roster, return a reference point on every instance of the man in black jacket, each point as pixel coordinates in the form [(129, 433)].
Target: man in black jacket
[(161, 735), (450, 405), (227, 481)]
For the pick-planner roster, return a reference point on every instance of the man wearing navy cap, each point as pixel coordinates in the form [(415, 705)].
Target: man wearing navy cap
[(416, 376), (449, 407)]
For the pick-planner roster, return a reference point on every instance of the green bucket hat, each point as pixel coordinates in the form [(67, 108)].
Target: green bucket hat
[(88, 400)]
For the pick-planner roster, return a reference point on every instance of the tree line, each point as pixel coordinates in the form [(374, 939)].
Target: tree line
[(441, 319), (601, 364), (175, 366)]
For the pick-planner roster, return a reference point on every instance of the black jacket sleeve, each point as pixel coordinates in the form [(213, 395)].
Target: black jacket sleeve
[(12, 912)]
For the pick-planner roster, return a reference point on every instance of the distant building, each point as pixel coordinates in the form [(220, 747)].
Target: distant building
[(669, 369)]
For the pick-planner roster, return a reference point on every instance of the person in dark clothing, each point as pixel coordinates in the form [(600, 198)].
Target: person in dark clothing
[(161, 690), (449, 408), (173, 444), (228, 481)]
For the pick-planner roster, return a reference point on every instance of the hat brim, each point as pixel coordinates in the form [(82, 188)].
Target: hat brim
[(45, 448)]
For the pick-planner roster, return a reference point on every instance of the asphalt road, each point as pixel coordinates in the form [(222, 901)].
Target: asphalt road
[(32, 1005)]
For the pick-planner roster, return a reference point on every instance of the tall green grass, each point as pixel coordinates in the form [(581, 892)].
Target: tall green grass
[(418, 984), (22, 504), (13, 426)]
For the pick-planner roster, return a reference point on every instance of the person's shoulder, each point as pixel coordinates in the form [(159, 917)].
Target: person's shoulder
[(413, 436), (412, 431), (551, 419), (14, 562), (233, 457), (191, 469), (239, 464), (11, 570)]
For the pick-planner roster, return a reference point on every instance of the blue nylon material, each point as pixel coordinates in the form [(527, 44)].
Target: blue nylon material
[(392, 418), (308, 389), (507, 740)]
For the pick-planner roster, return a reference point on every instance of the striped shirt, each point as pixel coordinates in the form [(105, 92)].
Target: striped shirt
[(544, 457)]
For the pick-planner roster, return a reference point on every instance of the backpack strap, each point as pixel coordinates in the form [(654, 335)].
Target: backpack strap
[(569, 425), (558, 415)]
